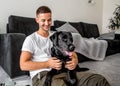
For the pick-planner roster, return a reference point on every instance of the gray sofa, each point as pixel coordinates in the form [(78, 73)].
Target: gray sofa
[(19, 27)]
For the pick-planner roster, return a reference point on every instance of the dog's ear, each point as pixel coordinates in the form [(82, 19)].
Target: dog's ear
[(54, 37), (70, 34)]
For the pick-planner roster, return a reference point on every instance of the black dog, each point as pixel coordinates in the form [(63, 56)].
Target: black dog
[(62, 49)]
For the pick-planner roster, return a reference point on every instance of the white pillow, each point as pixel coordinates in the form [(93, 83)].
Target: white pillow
[(68, 28)]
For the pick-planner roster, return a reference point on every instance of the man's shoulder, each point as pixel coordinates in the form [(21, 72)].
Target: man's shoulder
[(32, 35)]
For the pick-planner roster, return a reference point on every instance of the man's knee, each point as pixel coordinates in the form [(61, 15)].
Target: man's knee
[(97, 80), (90, 79), (102, 81)]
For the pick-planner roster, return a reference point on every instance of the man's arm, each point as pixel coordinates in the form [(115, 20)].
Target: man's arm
[(27, 64)]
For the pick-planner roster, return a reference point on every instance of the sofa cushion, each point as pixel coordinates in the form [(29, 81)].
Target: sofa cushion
[(90, 30), (67, 27), (19, 24), (76, 25), (58, 23)]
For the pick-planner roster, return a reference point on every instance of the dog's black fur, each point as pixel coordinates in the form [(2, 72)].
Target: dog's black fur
[(62, 43)]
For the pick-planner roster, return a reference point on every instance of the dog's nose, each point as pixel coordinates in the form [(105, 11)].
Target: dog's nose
[(71, 47)]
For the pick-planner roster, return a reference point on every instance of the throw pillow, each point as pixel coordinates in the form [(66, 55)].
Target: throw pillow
[(67, 27), (76, 25)]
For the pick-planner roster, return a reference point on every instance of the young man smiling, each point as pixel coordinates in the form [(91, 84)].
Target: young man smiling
[(36, 57)]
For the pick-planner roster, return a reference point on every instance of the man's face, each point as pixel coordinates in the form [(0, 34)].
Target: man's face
[(44, 20)]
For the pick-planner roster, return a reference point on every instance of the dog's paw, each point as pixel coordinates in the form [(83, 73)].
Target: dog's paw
[(79, 69), (82, 69)]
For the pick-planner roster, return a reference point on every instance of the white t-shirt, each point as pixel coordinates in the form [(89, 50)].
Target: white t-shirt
[(40, 47)]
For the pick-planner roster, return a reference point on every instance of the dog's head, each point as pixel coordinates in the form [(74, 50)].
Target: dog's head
[(63, 41)]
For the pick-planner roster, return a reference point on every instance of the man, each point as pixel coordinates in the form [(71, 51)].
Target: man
[(36, 57)]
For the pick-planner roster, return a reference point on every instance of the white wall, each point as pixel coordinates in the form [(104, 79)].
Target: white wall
[(68, 10), (108, 9)]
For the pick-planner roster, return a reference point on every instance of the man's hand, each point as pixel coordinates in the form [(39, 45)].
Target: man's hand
[(71, 65), (54, 63)]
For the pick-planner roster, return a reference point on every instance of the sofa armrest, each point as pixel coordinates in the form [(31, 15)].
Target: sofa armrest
[(10, 48)]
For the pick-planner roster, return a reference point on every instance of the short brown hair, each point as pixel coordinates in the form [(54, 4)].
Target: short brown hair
[(43, 9)]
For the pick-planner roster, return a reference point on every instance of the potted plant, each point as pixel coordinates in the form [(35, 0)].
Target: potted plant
[(115, 21)]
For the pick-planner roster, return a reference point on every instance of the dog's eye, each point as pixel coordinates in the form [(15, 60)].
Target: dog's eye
[(65, 40), (64, 37)]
